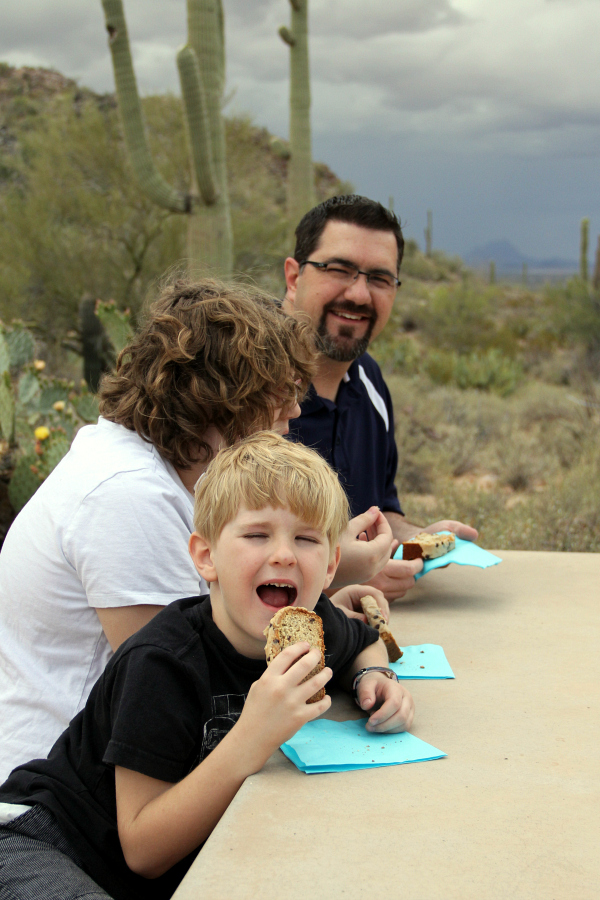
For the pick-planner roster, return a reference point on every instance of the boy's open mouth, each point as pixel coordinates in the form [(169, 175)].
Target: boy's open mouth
[(277, 594)]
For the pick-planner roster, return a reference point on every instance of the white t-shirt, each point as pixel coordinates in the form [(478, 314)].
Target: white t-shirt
[(108, 528)]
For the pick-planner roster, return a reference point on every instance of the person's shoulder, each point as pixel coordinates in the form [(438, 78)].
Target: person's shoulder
[(175, 630), (113, 447)]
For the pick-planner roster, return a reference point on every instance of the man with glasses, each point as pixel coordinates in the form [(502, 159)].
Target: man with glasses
[(344, 277)]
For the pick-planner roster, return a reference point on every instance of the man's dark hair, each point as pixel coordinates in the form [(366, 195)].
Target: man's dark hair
[(350, 208)]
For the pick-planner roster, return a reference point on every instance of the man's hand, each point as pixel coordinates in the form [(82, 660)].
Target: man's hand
[(348, 600), (462, 531), (276, 705), (396, 578), (394, 706), (366, 547)]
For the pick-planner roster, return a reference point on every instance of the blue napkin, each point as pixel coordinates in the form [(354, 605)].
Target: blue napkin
[(465, 553), (422, 661), (327, 746)]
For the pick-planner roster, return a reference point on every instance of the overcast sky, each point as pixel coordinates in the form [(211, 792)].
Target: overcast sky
[(485, 111)]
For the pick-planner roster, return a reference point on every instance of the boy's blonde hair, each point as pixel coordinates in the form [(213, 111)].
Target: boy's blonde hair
[(266, 470)]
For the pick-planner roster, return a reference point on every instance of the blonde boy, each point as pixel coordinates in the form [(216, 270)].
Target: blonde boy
[(187, 709)]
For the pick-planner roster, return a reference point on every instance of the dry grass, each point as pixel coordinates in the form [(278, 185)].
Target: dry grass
[(496, 390), (524, 469)]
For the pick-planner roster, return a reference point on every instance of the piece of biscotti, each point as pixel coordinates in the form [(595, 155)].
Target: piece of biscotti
[(290, 625), (427, 546), (376, 620)]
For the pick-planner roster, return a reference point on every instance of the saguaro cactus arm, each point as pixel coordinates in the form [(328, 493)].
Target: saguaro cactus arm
[(194, 101), (146, 173), (286, 35), (300, 172), (206, 36)]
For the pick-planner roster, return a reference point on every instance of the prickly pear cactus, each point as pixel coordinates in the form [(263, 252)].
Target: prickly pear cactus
[(39, 415), (4, 354), (24, 482), (21, 346), (7, 408), (117, 324)]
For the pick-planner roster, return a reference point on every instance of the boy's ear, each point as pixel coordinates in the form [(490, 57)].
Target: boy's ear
[(201, 554), (332, 567)]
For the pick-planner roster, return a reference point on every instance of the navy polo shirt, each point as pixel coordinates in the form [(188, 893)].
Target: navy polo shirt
[(355, 434)]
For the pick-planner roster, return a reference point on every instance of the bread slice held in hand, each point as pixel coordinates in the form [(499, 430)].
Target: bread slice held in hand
[(291, 625), (376, 620), (427, 546)]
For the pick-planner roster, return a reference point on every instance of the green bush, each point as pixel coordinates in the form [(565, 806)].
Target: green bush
[(487, 371)]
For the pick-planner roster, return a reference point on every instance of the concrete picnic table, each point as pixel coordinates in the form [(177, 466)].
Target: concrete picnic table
[(514, 809)]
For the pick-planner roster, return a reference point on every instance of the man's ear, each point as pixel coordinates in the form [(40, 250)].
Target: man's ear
[(201, 554), (291, 271), (332, 567)]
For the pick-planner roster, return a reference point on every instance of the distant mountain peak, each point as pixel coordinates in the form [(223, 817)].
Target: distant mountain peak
[(502, 252), (507, 258)]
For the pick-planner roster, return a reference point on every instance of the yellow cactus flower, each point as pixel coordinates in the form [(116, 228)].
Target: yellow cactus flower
[(59, 405), (41, 433), (39, 365)]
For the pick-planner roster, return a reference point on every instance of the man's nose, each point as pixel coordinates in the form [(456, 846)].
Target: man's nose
[(358, 290)]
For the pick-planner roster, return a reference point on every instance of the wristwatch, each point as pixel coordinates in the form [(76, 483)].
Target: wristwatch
[(389, 673)]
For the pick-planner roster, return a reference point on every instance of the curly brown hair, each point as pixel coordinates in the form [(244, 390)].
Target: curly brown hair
[(210, 354)]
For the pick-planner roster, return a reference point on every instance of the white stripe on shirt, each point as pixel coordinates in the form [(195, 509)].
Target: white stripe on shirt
[(375, 397)]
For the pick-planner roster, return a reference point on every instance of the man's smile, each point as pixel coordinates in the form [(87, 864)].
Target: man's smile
[(352, 317)]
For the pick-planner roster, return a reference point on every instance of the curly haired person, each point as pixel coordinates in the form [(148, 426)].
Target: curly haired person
[(101, 547)]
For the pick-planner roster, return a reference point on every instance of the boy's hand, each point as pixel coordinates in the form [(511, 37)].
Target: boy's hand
[(348, 600), (276, 705), (395, 706)]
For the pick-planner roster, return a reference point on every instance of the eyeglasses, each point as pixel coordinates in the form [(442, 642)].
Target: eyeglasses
[(345, 274)]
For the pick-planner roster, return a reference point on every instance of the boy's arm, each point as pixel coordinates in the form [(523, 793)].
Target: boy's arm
[(161, 823), (393, 705)]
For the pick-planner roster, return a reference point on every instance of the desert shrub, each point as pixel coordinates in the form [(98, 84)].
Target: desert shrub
[(401, 355), (575, 311), (457, 317), (486, 371)]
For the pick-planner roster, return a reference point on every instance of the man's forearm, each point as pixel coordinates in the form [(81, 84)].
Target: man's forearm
[(402, 529)]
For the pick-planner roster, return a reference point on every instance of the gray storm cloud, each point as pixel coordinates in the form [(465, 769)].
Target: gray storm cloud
[(461, 91), (418, 65)]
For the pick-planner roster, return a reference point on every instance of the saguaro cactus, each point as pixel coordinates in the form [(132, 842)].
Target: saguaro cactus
[(596, 279), (583, 249), (301, 194), (429, 233), (201, 65)]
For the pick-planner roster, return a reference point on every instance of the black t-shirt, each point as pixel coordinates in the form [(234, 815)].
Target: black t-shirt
[(165, 700)]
